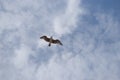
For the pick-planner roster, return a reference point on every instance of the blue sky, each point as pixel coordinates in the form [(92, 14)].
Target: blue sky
[(88, 29)]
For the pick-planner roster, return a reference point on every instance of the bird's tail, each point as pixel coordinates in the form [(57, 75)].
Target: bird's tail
[(49, 44)]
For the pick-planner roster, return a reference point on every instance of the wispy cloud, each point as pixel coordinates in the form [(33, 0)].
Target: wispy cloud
[(67, 21)]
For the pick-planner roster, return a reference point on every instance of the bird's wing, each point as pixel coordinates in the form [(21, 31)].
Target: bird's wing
[(57, 42), (45, 38)]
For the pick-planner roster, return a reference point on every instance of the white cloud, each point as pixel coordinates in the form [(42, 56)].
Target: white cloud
[(58, 69), (67, 21), (21, 56)]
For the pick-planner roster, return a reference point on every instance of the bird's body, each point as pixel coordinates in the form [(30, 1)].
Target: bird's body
[(51, 40)]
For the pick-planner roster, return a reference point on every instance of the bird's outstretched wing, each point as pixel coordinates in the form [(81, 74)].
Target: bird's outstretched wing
[(57, 42), (45, 38)]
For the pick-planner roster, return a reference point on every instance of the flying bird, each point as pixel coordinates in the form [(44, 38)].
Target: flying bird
[(51, 40)]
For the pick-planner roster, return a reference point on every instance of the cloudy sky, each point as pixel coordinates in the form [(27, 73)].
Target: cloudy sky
[(88, 29)]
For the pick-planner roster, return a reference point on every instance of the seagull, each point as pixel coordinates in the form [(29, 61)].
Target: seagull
[(51, 40)]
